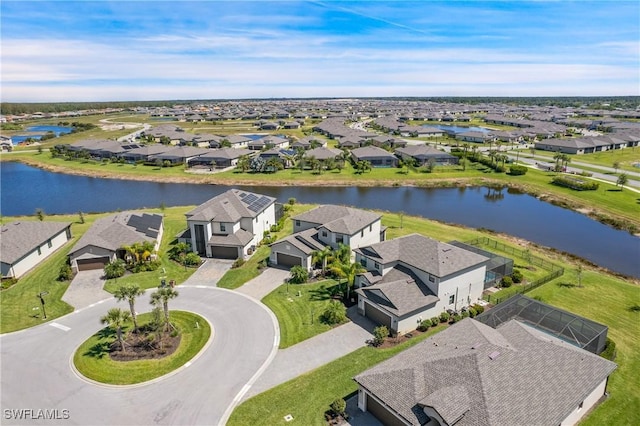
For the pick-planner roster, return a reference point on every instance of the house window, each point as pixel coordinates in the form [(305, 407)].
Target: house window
[(452, 299), (370, 228), (49, 244), (377, 265), (432, 278), (223, 227), (297, 223), (339, 238), (324, 234), (363, 262), (39, 251), (362, 233), (580, 406)]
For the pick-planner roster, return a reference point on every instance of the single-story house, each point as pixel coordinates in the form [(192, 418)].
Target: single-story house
[(180, 154), (472, 374), (308, 142), (378, 157), (230, 225), (422, 154), (24, 244), (415, 277), (323, 153), (219, 158), (237, 141), (103, 243), (326, 225), (143, 153), (473, 136), (269, 142)]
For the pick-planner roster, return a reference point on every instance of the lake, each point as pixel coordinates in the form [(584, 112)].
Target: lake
[(458, 129), (25, 188), (36, 132)]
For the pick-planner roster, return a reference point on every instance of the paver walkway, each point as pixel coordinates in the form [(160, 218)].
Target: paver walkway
[(265, 283), (86, 289), (312, 353)]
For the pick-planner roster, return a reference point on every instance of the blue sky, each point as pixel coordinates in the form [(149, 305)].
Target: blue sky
[(147, 50)]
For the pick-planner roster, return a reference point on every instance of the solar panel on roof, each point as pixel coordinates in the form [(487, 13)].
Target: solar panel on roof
[(250, 198)]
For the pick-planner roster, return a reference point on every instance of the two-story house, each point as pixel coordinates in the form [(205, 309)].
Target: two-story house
[(414, 277), (326, 225), (230, 225)]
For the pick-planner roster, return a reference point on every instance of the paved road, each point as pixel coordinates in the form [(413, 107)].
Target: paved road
[(36, 371)]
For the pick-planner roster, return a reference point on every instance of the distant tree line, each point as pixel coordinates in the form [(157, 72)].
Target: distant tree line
[(595, 102)]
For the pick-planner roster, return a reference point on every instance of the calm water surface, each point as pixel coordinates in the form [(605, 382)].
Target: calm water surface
[(26, 188), (39, 131)]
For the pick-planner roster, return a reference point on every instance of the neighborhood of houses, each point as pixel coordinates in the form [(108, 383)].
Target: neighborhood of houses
[(524, 366)]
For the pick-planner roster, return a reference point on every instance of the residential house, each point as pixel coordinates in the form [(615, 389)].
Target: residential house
[(378, 157), (179, 154), (422, 154), (24, 244), (6, 144), (308, 142), (415, 277), (103, 243), (230, 225), (472, 374), (219, 158), (269, 142), (237, 141), (324, 154), (473, 136), (326, 226), (144, 153)]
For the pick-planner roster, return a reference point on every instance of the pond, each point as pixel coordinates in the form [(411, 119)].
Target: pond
[(26, 188), (36, 132)]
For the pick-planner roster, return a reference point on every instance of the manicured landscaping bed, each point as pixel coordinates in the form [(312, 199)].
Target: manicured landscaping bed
[(92, 359), (298, 308)]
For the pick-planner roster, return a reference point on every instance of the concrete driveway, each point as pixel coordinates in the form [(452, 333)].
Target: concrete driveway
[(265, 283), (86, 289)]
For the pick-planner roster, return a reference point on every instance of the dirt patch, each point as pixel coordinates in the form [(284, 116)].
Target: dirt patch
[(145, 346)]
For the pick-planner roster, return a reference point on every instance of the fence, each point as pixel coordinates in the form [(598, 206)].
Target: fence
[(555, 271)]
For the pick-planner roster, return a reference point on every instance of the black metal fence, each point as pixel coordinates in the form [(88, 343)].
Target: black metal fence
[(555, 271)]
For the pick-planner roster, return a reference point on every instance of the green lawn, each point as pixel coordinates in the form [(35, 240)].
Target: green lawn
[(308, 396), (93, 361), (298, 307)]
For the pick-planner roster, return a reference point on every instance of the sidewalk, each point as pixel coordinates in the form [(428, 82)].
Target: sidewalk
[(312, 353)]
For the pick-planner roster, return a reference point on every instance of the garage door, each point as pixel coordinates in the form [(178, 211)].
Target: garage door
[(382, 413), (220, 252), (89, 264), (288, 260), (377, 315)]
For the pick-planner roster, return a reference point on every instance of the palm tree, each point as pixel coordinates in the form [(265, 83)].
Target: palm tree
[(243, 163), (558, 158), (162, 296), (130, 293), (117, 318), (342, 254), (322, 256), (347, 270)]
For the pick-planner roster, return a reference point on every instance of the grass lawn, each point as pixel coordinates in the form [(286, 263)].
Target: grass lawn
[(93, 361), (298, 307), (607, 300)]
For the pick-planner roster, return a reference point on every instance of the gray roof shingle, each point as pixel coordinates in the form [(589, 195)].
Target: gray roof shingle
[(20, 238), (429, 255), (507, 374), (229, 207), (340, 219)]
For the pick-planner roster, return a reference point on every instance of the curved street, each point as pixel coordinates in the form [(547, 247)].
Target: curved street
[(37, 374)]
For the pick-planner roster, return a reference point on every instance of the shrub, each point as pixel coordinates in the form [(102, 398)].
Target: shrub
[(238, 262), (472, 312), (444, 317), (479, 309), (575, 183), (424, 325), (192, 259), (8, 282), (299, 275), (65, 273), (335, 313), (465, 314), (517, 276), (455, 318), (338, 407), (506, 282), (379, 334), (292, 201), (114, 269), (609, 350), (435, 321), (517, 170)]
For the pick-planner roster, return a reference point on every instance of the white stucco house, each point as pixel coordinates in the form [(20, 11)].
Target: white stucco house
[(230, 225), (414, 277), (24, 244), (104, 241), (472, 374), (326, 225)]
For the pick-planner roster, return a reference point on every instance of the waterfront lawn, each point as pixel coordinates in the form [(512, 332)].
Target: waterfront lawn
[(93, 361), (298, 308), (308, 396), (609, 301)]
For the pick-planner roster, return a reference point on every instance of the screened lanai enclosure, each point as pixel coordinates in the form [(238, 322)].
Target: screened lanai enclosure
[(572, 328)]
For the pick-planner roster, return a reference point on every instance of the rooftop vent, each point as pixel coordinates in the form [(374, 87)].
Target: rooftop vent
[(494, 355)]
